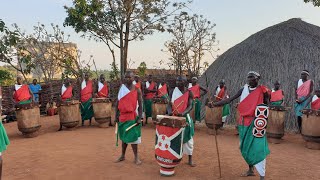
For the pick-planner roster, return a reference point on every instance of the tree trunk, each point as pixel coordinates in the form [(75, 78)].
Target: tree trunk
[(122, 58), (126, 45)]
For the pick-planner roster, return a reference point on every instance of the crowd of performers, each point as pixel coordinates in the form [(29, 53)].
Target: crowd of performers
[(135, 97)]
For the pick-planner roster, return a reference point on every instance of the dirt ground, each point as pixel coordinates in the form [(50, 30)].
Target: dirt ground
[(88, 153)]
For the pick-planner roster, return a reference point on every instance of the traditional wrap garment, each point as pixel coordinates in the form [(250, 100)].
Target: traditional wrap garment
[(86, 99), (253, 149), (4, 140), (196, 100), (103, 90), (302, 92), (163, 91), (276, 97), (22, 94), (66, 93), (128, 107), (220, 95), (315, 104), (137, 84), (148, 99), (179, 105)]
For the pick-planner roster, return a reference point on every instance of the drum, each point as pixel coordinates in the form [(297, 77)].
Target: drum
[(102, 111), (169, 140), (69, 113), (310, 128), (28, 118), (213, 117), (159, 107), (275, 128)]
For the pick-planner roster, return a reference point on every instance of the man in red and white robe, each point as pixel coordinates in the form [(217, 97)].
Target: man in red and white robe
[(150, 90), (86, 99), (315, 100), (277, 95), (103, 88), (67, 93), (21, 93), (196, 90)]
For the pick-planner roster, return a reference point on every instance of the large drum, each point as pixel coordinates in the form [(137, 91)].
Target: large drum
[(28, 118), (69, 113), (275, 128), (169, 140), (310, 128), (213, 118), (102, 111), (159, 107)]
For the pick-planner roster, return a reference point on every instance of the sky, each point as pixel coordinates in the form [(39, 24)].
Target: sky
[(235, 21)]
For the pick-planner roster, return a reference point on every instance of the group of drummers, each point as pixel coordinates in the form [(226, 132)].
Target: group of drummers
[(134, 97)]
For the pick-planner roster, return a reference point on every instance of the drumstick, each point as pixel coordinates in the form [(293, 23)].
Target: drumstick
[(133, 125), (116, 130), (176, 107)]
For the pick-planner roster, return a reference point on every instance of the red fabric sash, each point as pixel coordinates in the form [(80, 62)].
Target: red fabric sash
[(315, 105), (127, 106), (103, 93), (304, 89), (163, 90), (86, 93), (277, 95), (67, 94), (196, 91), (151, 87), (138, 85), (22, 94), (220, 94), (248, 106), (180, 104)]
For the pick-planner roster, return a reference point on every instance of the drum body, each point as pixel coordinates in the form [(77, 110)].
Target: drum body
[(28, 118), (159, 107), (310, 129), (69, 114), (102, 111), (169, 141), (213, 117), (275, 128)]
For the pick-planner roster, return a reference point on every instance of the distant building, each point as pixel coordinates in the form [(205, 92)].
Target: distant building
[(158, 72)]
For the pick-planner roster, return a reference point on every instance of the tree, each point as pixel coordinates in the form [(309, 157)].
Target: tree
[(114, 74), (192, 37), (315, 2), (6, 77), (142, 69), (117, 22)]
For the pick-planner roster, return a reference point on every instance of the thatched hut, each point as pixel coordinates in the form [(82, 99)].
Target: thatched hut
[(279, 52)]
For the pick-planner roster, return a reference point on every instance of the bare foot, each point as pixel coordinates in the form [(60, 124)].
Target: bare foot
[(137, 162), (248, 173), (191, 164), (121, 158)]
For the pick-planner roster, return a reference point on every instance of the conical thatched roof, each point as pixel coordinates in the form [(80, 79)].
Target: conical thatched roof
[(279, 52)]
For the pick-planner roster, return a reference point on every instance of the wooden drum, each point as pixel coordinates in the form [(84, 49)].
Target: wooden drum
[(169, 140), (28, 118), (310, 128), (159, 107), (102, 111), (69, 113), (213, 118), (275, 128)]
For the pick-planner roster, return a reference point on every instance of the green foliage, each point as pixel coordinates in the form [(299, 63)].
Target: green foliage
[(315, 2), (142, 69), (114, 74), (6, 77)]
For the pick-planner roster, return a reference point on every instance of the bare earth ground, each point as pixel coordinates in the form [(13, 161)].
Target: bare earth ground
[(89, 152)]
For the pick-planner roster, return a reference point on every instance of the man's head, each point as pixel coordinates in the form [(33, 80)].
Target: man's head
[(181, 81), (102, 78), (86, 76), (253, 79), (277, 85), (34, 81), (136, 78), (305, 74), (222, 83), (194, 80), (317, 92), (150, 78), (128, 77), (19, 80)]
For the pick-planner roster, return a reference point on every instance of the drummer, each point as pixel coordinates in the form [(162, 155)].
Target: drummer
[(196, 90), (127, 115), (67, 93), (21, 93), (220, 94), (181, 105), (137, 81), (150, 89), (315, 100), (254, 149), (163, 90), (102, 88), (86, 99), (277, 95)]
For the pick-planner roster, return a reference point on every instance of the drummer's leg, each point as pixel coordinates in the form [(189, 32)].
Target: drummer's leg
[(250, 172), (60, 127), (123, 152), (0, 167), (299, 123), (135, 152)]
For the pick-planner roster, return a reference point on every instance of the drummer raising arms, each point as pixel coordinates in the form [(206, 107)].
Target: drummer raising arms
[(67, 93), (129, 97), (102, 88), (181, 105), (86, 99), (277, 95), (21, 93), (254, 149)]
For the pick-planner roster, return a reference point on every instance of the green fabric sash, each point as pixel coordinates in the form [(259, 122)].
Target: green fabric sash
[(277, 103), (130, 136), (197, 109), (299, 107), (86, 110), (226, 110), (4, 140), (189, 130), (148, 107), (25, 102)]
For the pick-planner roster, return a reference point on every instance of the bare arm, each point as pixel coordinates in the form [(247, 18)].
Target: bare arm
[(140, 104), (310, 92), (228, 100), (204, 90), (116, 112), (31, 94), (13, 91), (308, 102)]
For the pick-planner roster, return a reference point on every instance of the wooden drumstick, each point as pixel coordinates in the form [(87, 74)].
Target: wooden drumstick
[(176, 107), (133, 125), (116, 130)]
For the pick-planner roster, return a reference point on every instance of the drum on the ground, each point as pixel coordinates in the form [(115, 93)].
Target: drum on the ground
[(69, 113), (169, 140), (28, 118), (213, 117), (310, 128), (102, 111), (159, 107), (275, 128)]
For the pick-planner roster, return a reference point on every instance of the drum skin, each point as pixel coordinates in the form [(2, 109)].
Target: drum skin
[(29, 121)]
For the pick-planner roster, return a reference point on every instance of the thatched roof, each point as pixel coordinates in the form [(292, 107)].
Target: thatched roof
[(279, 52)]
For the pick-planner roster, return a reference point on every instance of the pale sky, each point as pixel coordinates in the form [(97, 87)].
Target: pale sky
[(236, 20)]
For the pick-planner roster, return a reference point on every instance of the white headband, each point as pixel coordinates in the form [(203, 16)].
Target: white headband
[(254, 73), (305, 72)]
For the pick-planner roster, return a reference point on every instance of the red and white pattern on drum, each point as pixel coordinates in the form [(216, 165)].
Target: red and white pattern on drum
[(167, 171)]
